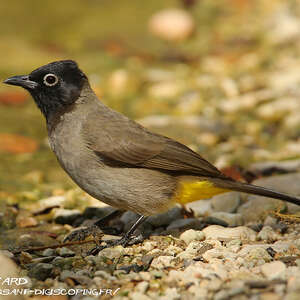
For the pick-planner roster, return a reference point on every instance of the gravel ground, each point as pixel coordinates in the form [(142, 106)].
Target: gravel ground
[(228, 247)]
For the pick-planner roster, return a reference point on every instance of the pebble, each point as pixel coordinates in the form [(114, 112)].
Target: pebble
[(112, 253), (184, 224), (258, 256), (41, 271), (24, 222), (170, 294), (195, 249), (227, 202), (267, 234), (142, 287), (201, 208), (256, 206), (216, 232), (66, 216), (98, 212), (165, 218), (230, 218), (139, 296), (171, 24), (161, 262), (274, 270), (192, 235), (65, 252), (48, 252)]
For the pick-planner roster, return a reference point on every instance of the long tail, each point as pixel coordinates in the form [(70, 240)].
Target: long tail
[(255, 190)]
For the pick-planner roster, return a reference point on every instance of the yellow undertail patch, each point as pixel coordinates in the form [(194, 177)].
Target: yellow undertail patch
[(189, 191)]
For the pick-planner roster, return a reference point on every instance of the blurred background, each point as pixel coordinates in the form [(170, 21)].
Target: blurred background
[(220, 76)]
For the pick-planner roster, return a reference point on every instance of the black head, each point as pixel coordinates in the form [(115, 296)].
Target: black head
[(54, 86)]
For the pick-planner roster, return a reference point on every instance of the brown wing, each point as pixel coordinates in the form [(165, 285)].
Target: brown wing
[(117, 139)]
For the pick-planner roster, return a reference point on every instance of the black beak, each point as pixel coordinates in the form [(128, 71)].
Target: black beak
[(23, 81)]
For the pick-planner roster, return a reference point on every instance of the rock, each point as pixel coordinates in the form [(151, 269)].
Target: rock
[(51, 202), (48, 252), (184, 224), (171, 25), (66, 216), (24, 222), (216, 232), (201, 208), (195, 249), (267, 234), (112, 253), (274, 270), (41, 271), (65, 252), (258, 256), (257, 206), (98, 212), (161, 262), (192, 235), (173, 250), (170, 294), (292, 296), (165, 218), (166, 89), (139, 296), (8, 270), (227, 202), (142, 287), (119, 83), (229, 218), (270, 221), (64, 263), (269, 167)]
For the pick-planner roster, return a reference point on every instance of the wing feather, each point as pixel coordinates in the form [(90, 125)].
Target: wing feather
[(122, 140)]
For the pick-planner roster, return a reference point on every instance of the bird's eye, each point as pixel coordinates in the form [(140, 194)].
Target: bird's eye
[(50, 79)]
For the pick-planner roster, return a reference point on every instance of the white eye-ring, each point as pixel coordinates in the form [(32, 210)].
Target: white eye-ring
[(50, 79)]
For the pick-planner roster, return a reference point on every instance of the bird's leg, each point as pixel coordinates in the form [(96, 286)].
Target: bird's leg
[(125, 240), (94, 230)]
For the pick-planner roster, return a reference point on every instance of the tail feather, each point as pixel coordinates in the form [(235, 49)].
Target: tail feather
[(256, 190)]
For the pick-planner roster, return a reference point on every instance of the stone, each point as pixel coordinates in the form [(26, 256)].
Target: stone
[(66, 216), (216, 232), (98, 212), (258, 256), (65, 252), (165, 218), (9, 270), (192, 235), (139, 296), (227, 202), (267, 234), (230, 218), (48, 252), (274, 270), (41, 271), (161, 262), (24, 222), (170, 294), (257, 206), (112, 253), (195, 249), (171, 24), (183, 224), (201, 208)]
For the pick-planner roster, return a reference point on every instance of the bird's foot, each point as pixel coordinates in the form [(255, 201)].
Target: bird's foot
[(82, 233), (123, 241)]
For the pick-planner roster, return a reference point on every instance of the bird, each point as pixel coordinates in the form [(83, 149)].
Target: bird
[(115, 159)]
